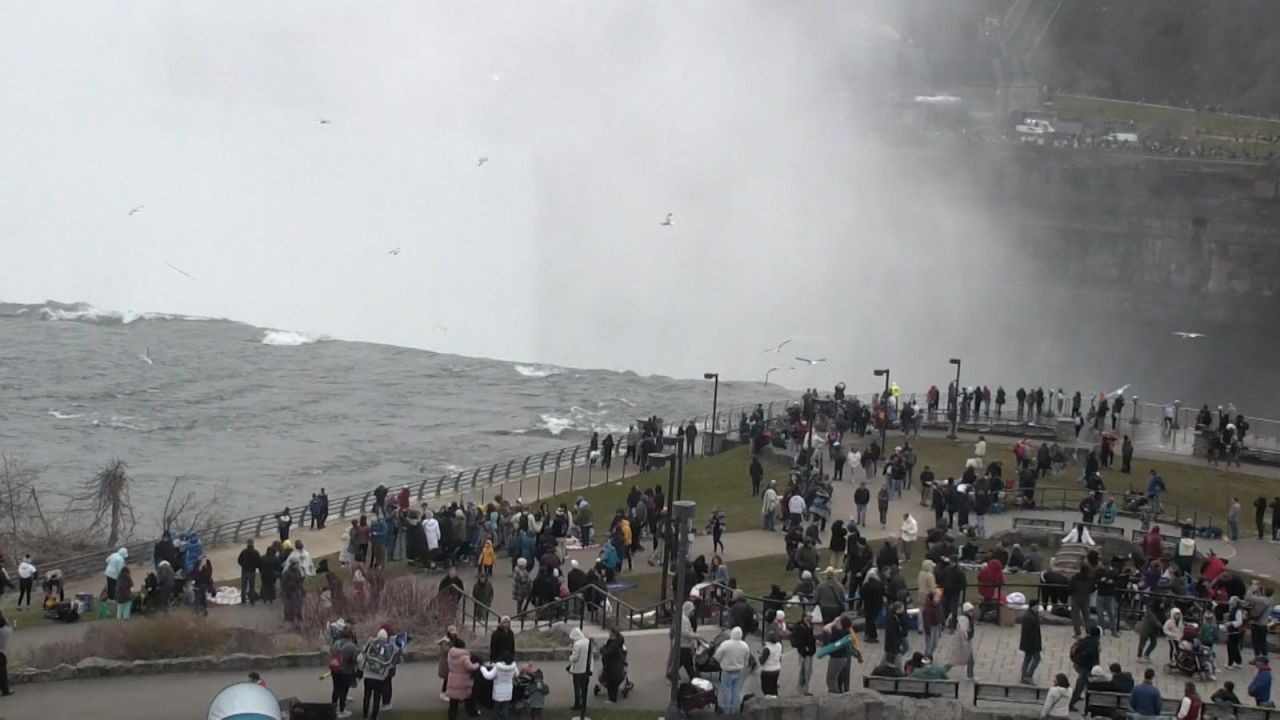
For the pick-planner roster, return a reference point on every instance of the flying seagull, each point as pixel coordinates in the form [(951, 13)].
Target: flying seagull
[(777, 348), (324, 121), (667, 222), (1188, 335), (146, 357), (394, 251), (135, 210), (482, 160), (771, 370), (180, 271), (442, 329), (811, 362)]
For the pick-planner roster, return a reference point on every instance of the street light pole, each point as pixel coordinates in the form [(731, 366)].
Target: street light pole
[(955, 417), (681, 514), (715, 398), (884, 399), (671, 492)]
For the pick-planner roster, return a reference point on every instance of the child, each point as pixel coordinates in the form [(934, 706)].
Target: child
[(358, 583), (537, 692), (487, 558)]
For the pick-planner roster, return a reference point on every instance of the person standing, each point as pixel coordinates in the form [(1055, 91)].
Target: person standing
[(690, 436), (771, 661), (1236, 619), (1233, 520), (756, 471), (26, 579), (250, 561), (503, 676), (460, 680), (907, 535), (579, 667), (1081, 587), (882, 504), (769, 506), (931, 622), (732, 656), (1031, 644), (805, 645), (861, 498), (124, 594), (613, 664), (284, 520), (1259, 600), (115, 562), (1260, 515)]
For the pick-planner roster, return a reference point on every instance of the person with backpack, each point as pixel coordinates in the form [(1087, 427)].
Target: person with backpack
[(1085, 653), (342, 669), (376, 662)]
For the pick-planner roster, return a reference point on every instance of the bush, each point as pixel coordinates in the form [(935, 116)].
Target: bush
[(407, 604), (167, 635)]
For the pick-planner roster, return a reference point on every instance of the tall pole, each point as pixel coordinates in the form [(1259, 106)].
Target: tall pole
[(666, 554), (715, 399), (679, 470), (884, 426), (681, 514), (955, 417)]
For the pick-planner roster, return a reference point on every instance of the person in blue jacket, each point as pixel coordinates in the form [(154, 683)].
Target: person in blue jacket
[(1145, 700), (1260, 686)]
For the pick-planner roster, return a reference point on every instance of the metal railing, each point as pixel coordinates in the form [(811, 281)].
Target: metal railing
[(529, 470)]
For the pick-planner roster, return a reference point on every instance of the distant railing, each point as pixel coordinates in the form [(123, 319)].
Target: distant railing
[(531, 469)]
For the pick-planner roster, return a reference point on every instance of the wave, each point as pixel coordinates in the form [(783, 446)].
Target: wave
[(288, 338), (537, 371), (65, 416), (86, 313), (579, 420)]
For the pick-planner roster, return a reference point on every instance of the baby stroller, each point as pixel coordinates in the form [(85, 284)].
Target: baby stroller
[(623, 691), (696, 695), (704, 658), (1191, 657)]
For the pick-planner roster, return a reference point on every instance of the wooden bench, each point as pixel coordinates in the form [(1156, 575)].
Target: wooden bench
[(997, 692), (1120, 701), (1112, 530), (1169, 706), (1039, 523), (912, 687)]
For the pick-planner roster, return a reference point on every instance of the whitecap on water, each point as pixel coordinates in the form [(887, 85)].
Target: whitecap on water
[(537, 371), (288, 338), (65, 416)]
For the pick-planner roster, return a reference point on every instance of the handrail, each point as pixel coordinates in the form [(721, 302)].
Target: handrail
[(480, 478)]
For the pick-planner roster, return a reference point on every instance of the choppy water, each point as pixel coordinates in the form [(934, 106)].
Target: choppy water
[(263, 415)]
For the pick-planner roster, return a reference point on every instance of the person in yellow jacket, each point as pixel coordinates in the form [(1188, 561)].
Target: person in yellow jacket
[(625, 524), (488, 556)]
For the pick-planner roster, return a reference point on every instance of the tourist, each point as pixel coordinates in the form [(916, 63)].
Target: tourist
[(931, 622), (55, 590), (291, 587), (805, 645), (1260, 515), (459, 683), (613, 662), (26, 580), (872, 595), (1233, 520), (482, 592), (1259, 600), (1085, 654), (115, 562), (769, 506), (249, 561), (377, 660), (1225, 697), (841, 647), (770, 661), (830, 596), (882, 504), (756, 471), (861, 498), (715, 527), (907, 535), (124, 594), (502, 672), (1236, 619), (270, 569), (579, 667), (895, 632), (1260, 686), (342, 669), (837, 544), (1081, 588), (1191, 706), (6, 632), (732, 657), (1057, 699), (1145, 700), (926, 584), (1031, 644), (284, 520)]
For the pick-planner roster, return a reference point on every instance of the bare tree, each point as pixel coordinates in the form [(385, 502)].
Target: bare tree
[(106, 497), (17, 491), (189, 512)]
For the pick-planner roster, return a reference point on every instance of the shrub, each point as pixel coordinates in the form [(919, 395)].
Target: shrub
[(167, 635), (406, 604)]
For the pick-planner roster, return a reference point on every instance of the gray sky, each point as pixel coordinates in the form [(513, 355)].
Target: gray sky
[(598, 119)]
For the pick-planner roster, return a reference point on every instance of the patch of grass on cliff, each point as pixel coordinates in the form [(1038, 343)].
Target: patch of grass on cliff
[(166, 635)]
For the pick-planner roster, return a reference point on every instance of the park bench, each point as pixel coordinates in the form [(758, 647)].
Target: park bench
[(1039, 523), (912, 687), (1112, 530), (998, 692), (1120, 701)]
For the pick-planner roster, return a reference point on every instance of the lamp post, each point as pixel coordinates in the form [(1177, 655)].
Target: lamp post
[(715, 398), (681, 514), (884, 424), (955, 417), (670, 460)]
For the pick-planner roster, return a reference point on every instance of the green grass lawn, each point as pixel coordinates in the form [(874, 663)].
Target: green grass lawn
[(718, 480), (1186, 122)]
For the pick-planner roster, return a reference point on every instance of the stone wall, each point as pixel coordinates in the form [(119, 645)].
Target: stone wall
[(870, 705)]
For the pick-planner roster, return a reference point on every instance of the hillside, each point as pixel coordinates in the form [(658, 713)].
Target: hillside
[(1193, 53)]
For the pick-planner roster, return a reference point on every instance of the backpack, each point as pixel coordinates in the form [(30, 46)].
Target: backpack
[(377, 658), (1077, 653)]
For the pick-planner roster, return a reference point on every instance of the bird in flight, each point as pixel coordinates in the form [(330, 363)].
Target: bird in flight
[(811, 362), (482, 160), (1188, 335), (667, 222), (135, 210), (146, 357), (772, 370), (394, 251), (180, 271), (442, 329), (324, 121), (777, 348)]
